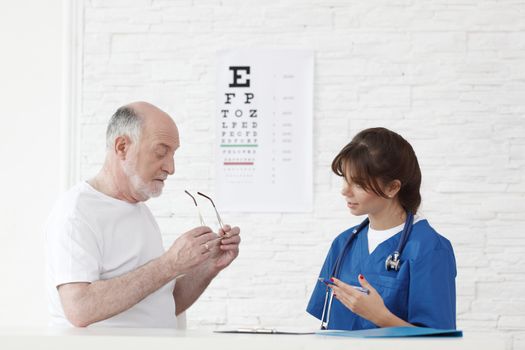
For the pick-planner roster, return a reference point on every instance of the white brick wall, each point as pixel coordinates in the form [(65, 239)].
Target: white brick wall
[(449, 75)]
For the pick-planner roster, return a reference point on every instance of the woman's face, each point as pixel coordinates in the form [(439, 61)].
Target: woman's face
[(361, 202)]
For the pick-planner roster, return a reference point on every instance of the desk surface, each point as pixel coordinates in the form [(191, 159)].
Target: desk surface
[(149, 339)]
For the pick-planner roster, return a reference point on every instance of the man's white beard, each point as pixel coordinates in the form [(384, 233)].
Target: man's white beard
[(140, 186)]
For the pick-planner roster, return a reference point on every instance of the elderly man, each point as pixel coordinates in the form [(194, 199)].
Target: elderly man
[(106, 263)]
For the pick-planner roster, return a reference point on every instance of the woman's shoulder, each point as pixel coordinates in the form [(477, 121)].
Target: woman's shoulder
[(343, 236), (429, 238)]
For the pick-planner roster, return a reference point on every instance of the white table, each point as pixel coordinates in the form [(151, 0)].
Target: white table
[(151, 339)]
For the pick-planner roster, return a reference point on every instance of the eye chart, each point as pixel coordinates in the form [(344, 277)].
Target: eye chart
[(264, 130)]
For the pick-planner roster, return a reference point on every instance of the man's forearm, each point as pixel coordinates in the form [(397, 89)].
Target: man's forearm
[(190, 287), (105, 298), (223, 251)]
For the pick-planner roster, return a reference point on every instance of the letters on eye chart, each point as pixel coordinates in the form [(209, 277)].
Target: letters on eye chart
[(264, 126), (239, 125)]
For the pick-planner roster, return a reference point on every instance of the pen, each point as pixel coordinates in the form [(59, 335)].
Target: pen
[(361, 289)]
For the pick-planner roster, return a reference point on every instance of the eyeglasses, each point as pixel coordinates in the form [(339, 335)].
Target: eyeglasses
[(198, 210)]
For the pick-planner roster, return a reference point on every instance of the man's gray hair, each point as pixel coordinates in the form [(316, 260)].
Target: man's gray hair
[(125, 121)]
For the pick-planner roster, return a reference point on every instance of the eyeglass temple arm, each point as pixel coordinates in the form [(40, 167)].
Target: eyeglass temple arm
[(198, 210), (214, 207)]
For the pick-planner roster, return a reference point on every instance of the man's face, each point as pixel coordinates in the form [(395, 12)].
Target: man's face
[(150, 160)]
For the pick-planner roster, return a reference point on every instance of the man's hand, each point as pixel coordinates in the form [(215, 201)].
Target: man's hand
[(223, 249), (226, 248), (190, 249)]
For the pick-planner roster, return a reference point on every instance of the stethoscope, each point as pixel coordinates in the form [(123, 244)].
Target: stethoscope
[(392, 262)]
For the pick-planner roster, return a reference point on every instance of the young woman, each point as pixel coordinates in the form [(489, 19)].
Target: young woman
[(394, 269)]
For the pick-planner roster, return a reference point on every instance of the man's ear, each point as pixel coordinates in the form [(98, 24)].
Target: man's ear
[(393, 188), (121, 146)]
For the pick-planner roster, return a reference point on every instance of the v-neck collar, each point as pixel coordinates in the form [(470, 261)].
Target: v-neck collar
[(389, 244)]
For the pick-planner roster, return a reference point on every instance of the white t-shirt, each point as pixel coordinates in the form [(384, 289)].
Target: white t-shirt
[(376, 237), (91, 236)]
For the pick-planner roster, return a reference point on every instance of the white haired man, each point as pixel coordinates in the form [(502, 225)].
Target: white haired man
[(106, 264)]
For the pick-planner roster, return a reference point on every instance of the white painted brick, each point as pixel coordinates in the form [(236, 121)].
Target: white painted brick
[(187, 14), (208, 312), (514, 308), (477, 321), (128, 42), (463, 304), (393, 96), (467, 257), (199, 26), (163, 4), (107, 15), (464, 186), (252, 18), (172, 70), (494, 16), (102, 27), (471, 236), (512, 290), (496, 41), (438, 43), (97, 43), (512, 322), (119, 3), (517, 341)]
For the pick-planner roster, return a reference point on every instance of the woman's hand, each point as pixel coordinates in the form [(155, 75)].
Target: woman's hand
[(369, 306)]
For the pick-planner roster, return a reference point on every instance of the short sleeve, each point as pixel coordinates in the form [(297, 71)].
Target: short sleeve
[(432, 298), (316, 303), (73, 252)]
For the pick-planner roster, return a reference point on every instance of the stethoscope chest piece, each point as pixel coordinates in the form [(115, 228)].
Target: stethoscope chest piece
[(393, 262)]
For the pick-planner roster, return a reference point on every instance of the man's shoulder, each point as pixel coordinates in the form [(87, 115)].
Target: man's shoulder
[(66, 211), (77, 199), (77, 193), (83, 202)]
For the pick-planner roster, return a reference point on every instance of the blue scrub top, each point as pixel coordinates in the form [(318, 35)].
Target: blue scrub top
[(422, 292)]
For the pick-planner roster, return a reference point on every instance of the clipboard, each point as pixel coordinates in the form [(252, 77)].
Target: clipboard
[(263, 331), (394, 332)]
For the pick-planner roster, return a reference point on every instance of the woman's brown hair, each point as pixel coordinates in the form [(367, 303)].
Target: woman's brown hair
[(377, 156)]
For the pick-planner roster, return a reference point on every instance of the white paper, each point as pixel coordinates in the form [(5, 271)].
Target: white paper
[(264, 131)]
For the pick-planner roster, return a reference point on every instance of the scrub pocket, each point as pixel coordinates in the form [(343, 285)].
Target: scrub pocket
[(394, 292)]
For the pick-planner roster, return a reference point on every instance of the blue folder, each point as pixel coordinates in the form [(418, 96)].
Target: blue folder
[(394, 332)]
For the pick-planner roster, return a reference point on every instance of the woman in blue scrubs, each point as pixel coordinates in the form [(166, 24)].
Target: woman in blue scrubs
[(382, 180)]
